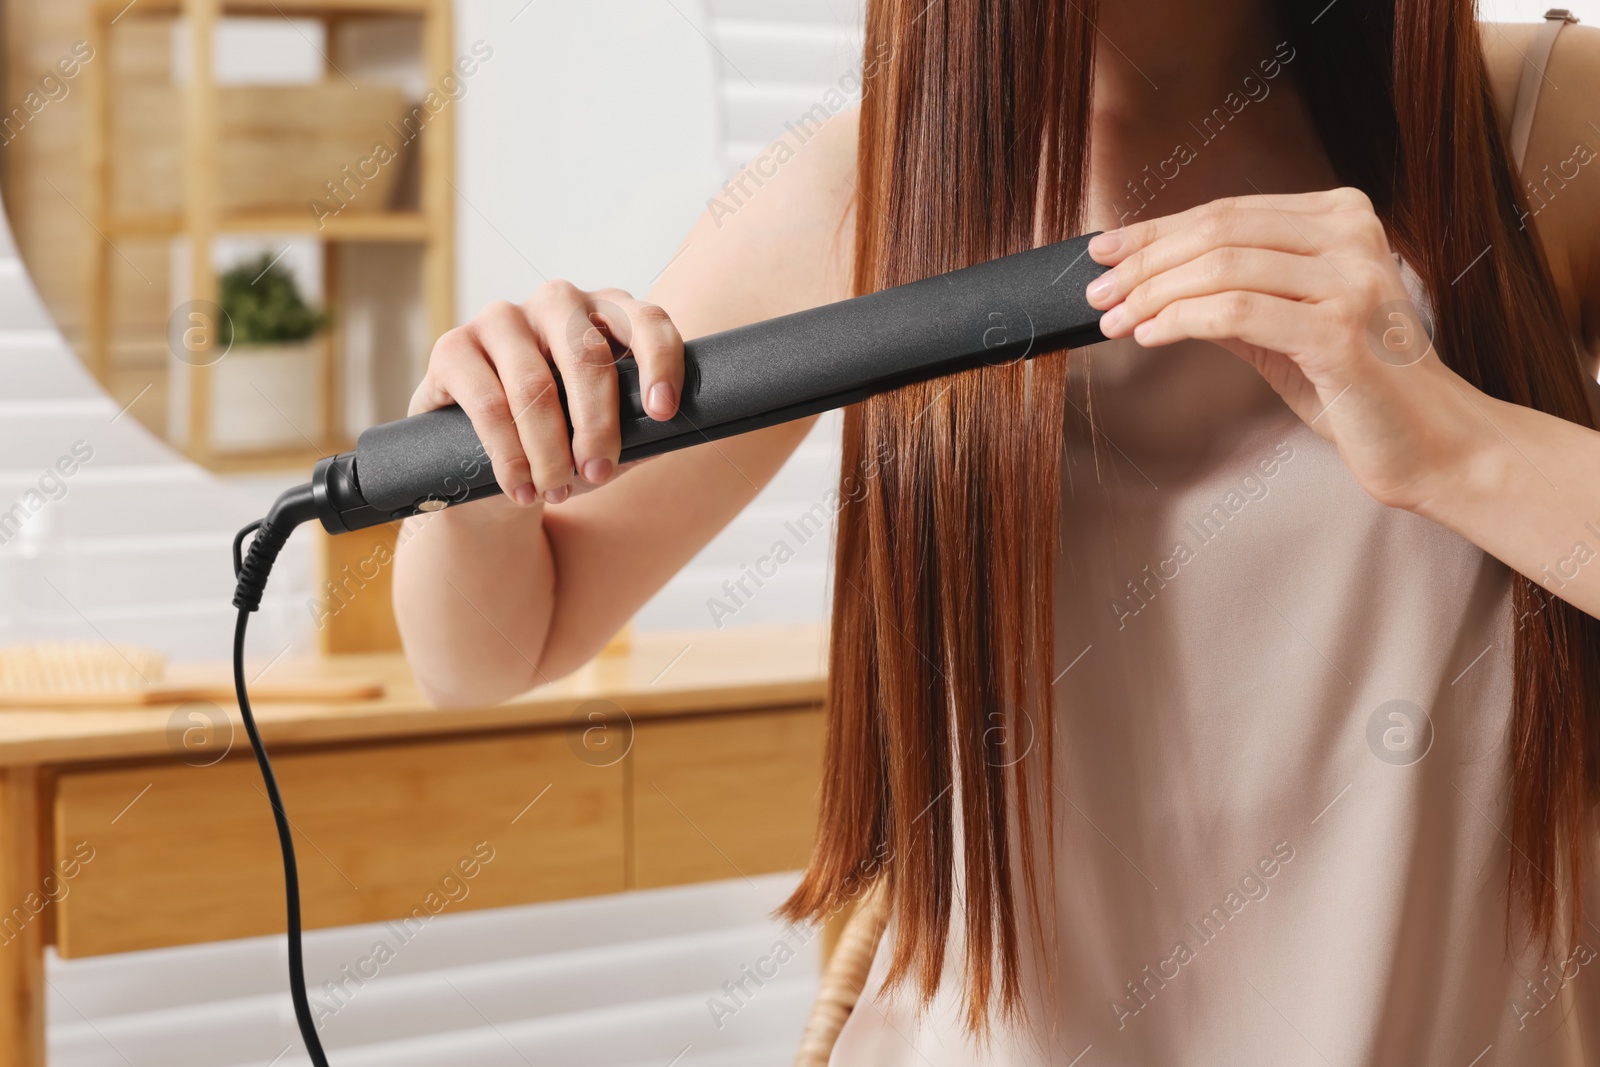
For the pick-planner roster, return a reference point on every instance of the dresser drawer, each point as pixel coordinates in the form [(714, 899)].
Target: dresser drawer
[(725, 796), (185, 854)]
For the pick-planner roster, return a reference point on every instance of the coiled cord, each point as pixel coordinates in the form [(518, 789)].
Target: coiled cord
[(252, 573)]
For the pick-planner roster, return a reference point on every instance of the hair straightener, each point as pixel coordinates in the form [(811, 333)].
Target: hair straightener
[(740, 380)]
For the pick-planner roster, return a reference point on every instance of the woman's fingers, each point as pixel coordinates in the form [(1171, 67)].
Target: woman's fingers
[(579, 345), (1306, 236), (1254, 318), (1221, 269), (519, 361), (1217, 216), (459, 372), (586, 334), (646, 331), (502, 369)]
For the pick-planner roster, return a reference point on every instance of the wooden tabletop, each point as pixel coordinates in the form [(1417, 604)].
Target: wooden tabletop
[(659, 673)]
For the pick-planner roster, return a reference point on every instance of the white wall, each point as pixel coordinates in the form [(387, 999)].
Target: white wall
[(587, 147)]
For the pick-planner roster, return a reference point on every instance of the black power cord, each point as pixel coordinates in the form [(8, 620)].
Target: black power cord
[(290, 510)]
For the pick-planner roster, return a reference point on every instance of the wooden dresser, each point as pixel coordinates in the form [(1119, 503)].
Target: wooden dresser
[(687, 757)]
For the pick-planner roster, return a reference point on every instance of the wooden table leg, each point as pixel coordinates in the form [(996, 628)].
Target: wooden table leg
[(22, 922)]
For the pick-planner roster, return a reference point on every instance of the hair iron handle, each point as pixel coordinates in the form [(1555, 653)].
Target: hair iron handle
[(753, 376)]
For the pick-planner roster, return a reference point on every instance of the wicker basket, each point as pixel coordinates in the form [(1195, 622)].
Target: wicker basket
[(280, 144)]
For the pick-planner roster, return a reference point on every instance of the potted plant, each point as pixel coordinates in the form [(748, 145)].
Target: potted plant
[(267, 387)]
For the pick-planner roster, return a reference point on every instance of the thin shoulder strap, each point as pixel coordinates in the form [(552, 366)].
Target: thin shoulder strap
[(1537, 58)]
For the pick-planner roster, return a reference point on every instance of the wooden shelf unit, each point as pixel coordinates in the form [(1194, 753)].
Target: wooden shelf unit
[(397, 226), (431, 226), (303, 8)]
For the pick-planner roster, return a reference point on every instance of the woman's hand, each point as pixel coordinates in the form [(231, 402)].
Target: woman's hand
[(1305, 289), (501, 369)]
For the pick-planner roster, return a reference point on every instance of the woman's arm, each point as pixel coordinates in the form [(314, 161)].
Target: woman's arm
[(1526, 490), (498, 597), (1529, 494)]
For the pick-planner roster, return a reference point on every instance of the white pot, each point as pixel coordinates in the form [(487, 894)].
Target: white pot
[(268, 396)]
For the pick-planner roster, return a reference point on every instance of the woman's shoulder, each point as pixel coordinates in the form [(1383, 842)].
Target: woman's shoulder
[(777, 236), (1565, 104), (1562, 163)]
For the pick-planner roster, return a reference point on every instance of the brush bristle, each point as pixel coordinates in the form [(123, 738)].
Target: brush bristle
[(63, 667)]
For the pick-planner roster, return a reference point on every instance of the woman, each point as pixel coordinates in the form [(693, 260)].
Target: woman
[(1225, 692)]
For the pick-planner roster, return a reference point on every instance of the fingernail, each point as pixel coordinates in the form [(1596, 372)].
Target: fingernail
[(1106, 243), (557, 495), (1101, 287), (1111, 319), (524, 494), (596, 471), (662, 397)]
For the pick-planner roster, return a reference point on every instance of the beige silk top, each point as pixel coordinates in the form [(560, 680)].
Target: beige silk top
[(1282, 765)]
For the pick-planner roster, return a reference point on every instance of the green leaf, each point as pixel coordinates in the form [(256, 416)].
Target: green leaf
[(263, 306)]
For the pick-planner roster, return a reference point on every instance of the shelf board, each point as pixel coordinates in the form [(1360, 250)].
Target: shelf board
[(115, 9), (142, 225), (302, 458), (351, 226)]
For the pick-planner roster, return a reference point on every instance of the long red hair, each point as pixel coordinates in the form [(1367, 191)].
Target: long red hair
[(974, 143)]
